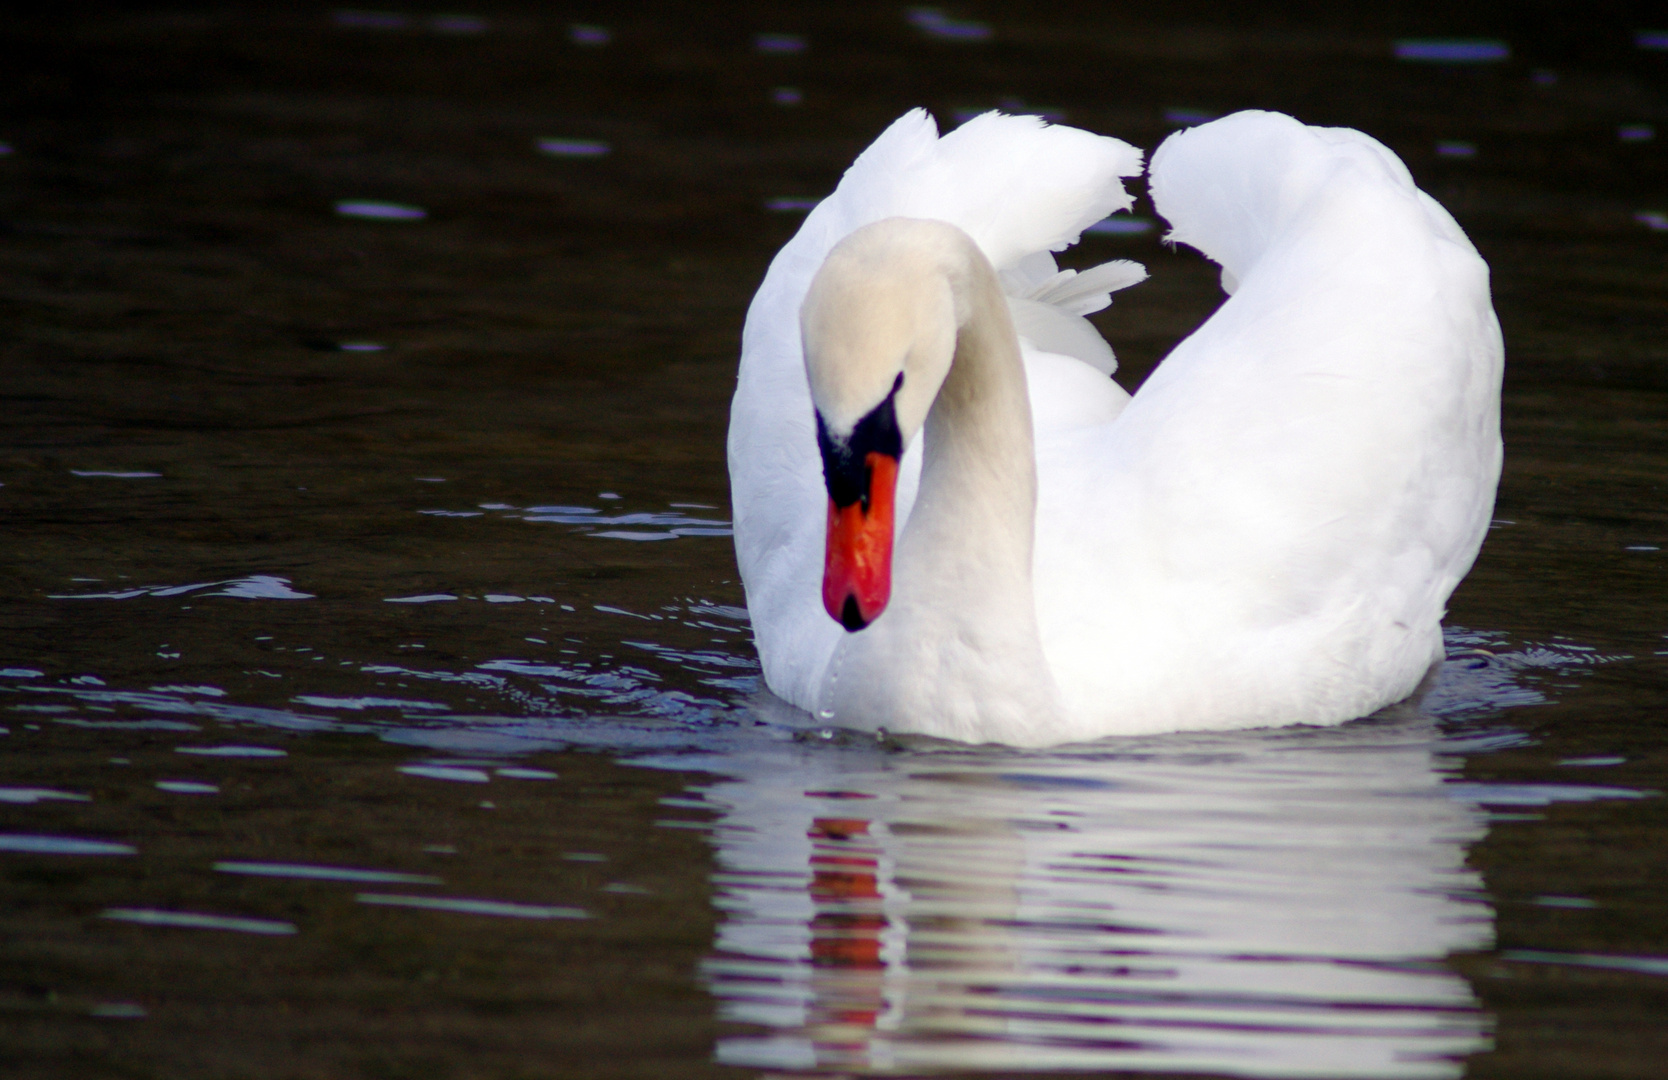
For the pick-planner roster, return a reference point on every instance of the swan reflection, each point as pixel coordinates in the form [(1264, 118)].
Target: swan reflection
[(1262, 904)]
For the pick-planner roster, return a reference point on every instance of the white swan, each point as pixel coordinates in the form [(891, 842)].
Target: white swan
[(1267, 533)]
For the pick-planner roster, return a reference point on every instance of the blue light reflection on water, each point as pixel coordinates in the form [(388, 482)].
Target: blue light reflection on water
[(1453, 50), (1257, 903), (533, 703), (1265, 903)]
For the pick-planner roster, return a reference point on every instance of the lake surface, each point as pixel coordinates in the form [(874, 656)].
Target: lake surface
[(378, 693)]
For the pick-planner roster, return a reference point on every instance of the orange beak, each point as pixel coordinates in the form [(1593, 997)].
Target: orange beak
[(857, 576)]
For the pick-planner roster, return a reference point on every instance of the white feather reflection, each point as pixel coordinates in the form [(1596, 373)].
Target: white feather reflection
[(1257, 904)]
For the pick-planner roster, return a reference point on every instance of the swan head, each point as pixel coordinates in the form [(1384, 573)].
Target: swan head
[(879, 326)]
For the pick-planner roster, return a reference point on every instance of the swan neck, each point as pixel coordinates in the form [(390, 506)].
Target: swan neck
[(966, 552), (978, 452)]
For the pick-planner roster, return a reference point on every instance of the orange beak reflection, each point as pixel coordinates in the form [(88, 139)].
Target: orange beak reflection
[(857, 576)]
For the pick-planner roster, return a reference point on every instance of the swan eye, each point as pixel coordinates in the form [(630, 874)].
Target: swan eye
[(845, 466)]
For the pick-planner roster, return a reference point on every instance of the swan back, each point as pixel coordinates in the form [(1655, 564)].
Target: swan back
[(1271, 529)]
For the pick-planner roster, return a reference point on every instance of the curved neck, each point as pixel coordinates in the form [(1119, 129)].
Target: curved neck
[(974, 520), (959, 642)]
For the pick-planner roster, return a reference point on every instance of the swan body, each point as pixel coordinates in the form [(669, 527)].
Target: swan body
[(1266, 533)]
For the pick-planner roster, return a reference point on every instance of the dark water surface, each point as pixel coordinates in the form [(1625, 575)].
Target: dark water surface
[(378, 695)]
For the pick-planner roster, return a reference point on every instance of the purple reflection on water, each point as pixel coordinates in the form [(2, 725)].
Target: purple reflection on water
[(1452, 50)]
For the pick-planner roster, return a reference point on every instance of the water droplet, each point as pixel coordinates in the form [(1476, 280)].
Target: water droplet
[(1187, 117), (376, 210), (187, 787), (118, 1010), (193, 920), (577, 148), (1120, 226), (779, 44), (790, 205), (458, 24), (370, 20), (61, 845), (1453, 50), (935, 23)]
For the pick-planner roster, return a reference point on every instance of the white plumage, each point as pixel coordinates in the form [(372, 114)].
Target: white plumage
[(1265, 534)]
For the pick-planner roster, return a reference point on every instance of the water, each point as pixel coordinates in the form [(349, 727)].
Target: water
[(378, 692), (1261, 906)]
